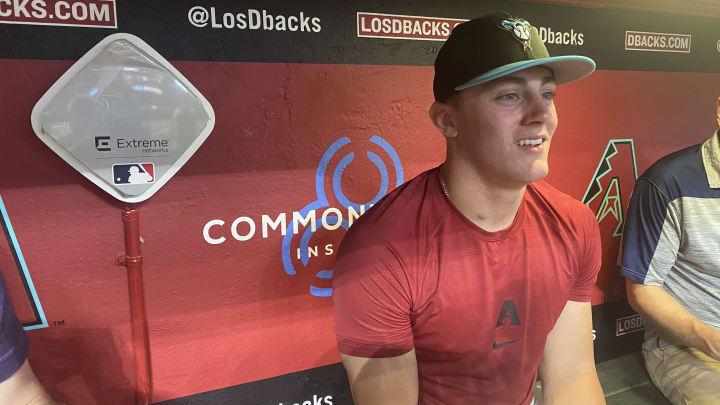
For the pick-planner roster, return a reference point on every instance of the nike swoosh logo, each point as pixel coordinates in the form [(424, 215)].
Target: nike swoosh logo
[(501, 345)]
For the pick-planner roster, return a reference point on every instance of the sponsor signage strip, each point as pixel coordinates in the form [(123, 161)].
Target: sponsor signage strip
[(356, 32), (657, 41), (70, 13), (325, 385), (629, 324), (608, 343), (375, 25)]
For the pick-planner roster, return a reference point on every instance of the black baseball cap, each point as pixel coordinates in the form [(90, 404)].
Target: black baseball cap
[(493, 46)]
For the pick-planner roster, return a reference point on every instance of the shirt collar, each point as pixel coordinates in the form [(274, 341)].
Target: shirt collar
[(711, 159)]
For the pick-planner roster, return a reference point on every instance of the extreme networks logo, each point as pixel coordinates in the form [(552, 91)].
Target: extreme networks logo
[(252, 19), (298, 228), (147, 146), (72, 13)]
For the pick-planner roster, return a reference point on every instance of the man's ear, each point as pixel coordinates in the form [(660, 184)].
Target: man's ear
[(718, 111), (443, 117)]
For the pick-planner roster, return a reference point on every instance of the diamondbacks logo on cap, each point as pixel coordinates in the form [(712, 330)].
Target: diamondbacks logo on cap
[(134, 173), (519, 28)]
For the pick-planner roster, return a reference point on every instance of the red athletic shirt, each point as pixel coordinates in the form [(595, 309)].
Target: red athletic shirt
[(477, 306)]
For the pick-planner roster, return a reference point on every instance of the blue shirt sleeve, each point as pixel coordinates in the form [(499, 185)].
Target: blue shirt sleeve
[(14, 345), (646, 233)]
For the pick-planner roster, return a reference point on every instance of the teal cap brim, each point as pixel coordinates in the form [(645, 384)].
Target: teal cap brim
[(566, 69)]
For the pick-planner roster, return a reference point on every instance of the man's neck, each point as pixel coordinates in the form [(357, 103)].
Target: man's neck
[(489, 206)]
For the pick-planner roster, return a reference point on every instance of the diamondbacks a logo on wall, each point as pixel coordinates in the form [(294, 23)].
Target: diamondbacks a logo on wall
[(607, 196), (298, 253), (71, 13), (19, 284), (612, 183)]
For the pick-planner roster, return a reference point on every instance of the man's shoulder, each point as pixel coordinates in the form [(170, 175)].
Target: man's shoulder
[(398, 214), (679, 174)]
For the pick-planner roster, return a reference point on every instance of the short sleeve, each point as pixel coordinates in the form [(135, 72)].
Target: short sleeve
[(14, 345), (371, 299), (651, 237), (590, 260)]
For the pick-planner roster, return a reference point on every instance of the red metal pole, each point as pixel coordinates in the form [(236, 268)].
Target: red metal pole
[(133, 261)]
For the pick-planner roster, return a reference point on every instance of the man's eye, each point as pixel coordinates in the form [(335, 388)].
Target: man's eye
[(509, 97), (549, 95)]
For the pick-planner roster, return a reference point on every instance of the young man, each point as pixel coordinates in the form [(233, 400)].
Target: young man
[(456, 286), (18, 384), (671, 259)]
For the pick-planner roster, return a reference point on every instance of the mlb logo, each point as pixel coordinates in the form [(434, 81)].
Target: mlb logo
[(133, 173)]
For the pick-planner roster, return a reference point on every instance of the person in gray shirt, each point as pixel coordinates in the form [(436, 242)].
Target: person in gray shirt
[(671, 259)]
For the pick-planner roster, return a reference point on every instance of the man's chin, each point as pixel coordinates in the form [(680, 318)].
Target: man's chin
[(536, 174)]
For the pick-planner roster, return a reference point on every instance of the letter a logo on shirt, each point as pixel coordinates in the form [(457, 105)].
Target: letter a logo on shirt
[(508, 317), (509, 312)]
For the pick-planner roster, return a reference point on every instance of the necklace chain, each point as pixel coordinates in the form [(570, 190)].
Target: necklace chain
[(444, 188)]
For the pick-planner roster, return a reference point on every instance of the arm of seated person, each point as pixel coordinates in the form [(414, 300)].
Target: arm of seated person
[(383, 381), (662, 310), (567, 369), (23, 388)]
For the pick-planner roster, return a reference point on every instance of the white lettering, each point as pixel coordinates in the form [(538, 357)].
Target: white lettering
[(353, 215), (267, 19), (20, 8), (292, 23), (213, 21), (375, 24), (5, 12), (99, 14), (253, 19), (251, 232), (279, 221), (242, 21), (316, 24), (228, 20), (206, 232), (38, 7), (385, 22), (309, 219), (304, 22), (59, 13), (338, 216), (79, 11), (280, 23), (312, 251)]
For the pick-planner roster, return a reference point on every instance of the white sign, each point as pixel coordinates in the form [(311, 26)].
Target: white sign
[(124, 117)]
